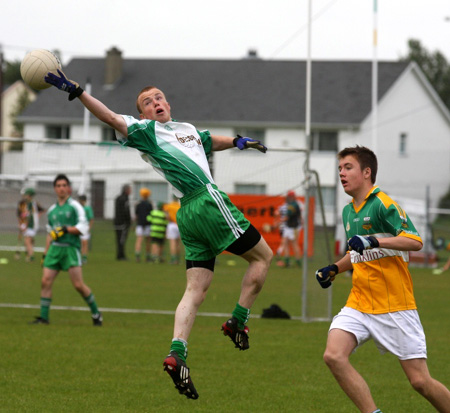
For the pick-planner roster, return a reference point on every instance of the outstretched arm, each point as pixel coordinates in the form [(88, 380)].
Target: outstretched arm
[(226, 142), (103, 113), (221, 143), (97, 108)]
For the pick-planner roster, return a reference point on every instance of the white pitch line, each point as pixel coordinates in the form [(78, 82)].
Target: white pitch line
[(122, 310)]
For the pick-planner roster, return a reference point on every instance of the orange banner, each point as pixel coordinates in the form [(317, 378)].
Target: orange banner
[(262, 212)]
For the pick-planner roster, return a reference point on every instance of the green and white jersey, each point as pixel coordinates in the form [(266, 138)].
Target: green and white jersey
[(70, 214), (89, 212), (176, 150)]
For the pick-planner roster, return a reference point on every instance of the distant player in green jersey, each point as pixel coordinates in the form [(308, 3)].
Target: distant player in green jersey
[(66, 222), (82, 199), (381, 305), (208, 222)]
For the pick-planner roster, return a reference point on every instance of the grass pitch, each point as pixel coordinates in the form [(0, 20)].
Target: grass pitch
[(70, 366)]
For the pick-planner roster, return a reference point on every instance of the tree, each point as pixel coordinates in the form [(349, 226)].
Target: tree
[(12, 72), (435, 67)]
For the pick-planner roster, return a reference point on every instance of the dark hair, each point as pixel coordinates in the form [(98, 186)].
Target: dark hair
[(61, 177), (82, 197), (140, 93), (365, 157)]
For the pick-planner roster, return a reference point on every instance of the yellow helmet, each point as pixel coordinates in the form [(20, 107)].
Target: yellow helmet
[(145, 192)]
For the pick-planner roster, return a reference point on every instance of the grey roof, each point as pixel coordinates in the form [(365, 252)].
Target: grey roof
[(229, 91)]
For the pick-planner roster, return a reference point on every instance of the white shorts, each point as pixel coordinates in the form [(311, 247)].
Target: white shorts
[(172, 231), (142, 231), (290, 233), (399, 333), (29, 232), (85, 237)]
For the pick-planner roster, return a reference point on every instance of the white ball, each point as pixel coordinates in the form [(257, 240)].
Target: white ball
[(35, 67)]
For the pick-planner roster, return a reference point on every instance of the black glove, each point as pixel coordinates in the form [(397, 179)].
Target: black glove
[(42, 260), (62, 83), (359, 243), (58, 232), (245, 143), (325, 276)]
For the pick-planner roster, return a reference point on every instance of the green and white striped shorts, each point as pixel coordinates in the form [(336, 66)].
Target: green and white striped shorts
[(209, 223)]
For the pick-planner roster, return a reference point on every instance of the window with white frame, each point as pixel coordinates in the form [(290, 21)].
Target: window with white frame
[(250, 189), (324, 141), (57, 132), (108, 134)]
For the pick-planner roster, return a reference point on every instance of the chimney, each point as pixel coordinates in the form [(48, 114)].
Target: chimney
[(113, 67), (252, 54)]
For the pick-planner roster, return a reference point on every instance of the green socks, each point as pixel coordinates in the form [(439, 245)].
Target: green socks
[(45, 307), (90, 300), (241, 314), (180, 347)]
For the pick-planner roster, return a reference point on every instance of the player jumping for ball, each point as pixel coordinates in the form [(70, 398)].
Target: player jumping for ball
[(208, 222)]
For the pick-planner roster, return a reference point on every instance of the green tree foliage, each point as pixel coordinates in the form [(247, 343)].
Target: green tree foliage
[(22, 102), (434, 65), (11, 72)]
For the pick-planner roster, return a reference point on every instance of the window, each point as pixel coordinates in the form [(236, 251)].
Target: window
[(108, 135), (328, 197), (403, 144), (57, 132), (324, 141), (250, 189), (254, 133)]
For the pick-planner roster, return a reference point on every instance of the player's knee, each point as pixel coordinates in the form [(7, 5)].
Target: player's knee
[(332, 359), (420, 383), (79, 286)]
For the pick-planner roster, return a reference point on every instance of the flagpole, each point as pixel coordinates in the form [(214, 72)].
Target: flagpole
[(375, 79)]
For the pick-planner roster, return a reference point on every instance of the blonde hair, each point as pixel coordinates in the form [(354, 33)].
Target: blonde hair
[(147, 88)]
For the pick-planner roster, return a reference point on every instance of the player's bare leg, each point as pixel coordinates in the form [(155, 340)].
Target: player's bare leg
[(340, 345), (435, 392), (29, 246), (259, 258), (48, 277), (137, 248), (76, 277), (198, 281)]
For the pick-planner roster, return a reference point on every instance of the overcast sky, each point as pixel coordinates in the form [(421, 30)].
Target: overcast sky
[(341, 29)]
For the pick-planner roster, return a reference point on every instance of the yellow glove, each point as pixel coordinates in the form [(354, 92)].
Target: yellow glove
[(58, 232)]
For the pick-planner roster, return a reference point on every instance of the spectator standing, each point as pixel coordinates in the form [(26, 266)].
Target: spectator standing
[(172, 232), (122, 221), (292, 225), (28, 213), (142, 211)]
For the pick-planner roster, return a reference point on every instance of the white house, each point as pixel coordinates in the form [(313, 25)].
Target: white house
[(258, 98)]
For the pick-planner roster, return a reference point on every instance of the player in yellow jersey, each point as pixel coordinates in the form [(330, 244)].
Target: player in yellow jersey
[(381, 304), (173, 233)]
